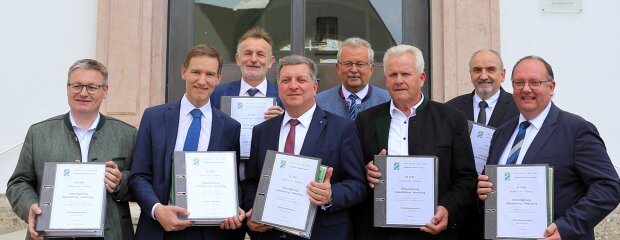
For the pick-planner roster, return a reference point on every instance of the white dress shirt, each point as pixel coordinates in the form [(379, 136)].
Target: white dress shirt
[(492, 101), (300, 130), (360, 95), (530, 134), (84, 135), (262, 89), (398, 137), (185, 120)]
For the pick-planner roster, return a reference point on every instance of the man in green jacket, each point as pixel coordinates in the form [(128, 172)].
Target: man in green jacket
[(81, 135)]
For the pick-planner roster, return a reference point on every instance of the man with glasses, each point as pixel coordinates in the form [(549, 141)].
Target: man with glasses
[(81, 135), (586, 185), (354, 68), (490, 105)]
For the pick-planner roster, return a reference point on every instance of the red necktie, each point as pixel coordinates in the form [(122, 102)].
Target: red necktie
[(289, 145)]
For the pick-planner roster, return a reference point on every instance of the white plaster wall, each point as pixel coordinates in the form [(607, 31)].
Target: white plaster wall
[(39, 40), (584, 51)]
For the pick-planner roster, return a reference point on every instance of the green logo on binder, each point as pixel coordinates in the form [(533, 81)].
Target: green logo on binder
[(66, 172), (396, 165), (282, 164), (507, 176), (480, 133), (240, 105), (196, 161)]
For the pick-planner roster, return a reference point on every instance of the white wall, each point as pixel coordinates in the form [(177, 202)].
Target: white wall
[(584, 51), (39, 41)]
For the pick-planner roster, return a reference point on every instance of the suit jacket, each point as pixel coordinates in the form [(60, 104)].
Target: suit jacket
[(505, 109), (586, 185), (436, 130), (55, 140), (151, 170), (331, 100), (233, 88), (332, 138)]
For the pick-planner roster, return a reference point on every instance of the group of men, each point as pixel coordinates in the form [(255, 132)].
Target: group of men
[(345, 126)]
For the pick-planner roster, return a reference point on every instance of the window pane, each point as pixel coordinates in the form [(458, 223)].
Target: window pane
[(328, 23), (222, 22)]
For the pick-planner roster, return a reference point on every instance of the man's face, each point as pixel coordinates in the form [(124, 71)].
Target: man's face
[(296, 88), (532, 102), (354, 78), (487, 75), (201, 76), (84, 102), (254, 58), (403, 80)]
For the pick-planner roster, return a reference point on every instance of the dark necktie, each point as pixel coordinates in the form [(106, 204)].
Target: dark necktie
[(193, 133), (353, 106), (289, 145), (482, 115), (252, 92), (516, 145)]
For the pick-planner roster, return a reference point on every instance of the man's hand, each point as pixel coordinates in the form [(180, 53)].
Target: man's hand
[(168, 219), (112, 176), (234, 222), (484, 187), (32, 218), (372, 171), (254, 226), (552, 233), (321, 193), (438, 223), (273, 111)]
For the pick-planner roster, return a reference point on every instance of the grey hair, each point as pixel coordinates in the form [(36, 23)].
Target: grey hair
[(89, 64), (296, 60), (501, 62), (402, 49), (357, 42), (550, 76)]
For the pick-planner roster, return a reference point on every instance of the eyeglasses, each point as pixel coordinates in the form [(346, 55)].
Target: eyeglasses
[(534, 84), (351, 64), (77, 88)]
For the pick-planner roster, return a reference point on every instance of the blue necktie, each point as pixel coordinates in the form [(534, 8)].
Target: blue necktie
[(352, 106), (193, 133), (516, 145), (252, 92)]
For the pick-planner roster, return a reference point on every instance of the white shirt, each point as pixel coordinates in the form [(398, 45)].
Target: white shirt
[(185, 120), (492, 101), (530, 134), (262, 88), (360, 95), (398, 142), (300, 130), (84, 135)]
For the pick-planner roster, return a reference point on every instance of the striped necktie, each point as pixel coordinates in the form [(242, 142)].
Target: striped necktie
[(516, 145), (353, 106)]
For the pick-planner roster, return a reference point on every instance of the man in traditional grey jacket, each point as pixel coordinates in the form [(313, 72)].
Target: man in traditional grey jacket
[(81, 135)]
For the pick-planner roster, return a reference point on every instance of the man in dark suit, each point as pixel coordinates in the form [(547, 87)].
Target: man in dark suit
[(163, 130), (319, 134), (254, 58), (586, 185), (411, 124), (487, 73), (488, 104)]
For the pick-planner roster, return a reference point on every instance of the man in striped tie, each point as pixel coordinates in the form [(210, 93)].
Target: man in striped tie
[(586, 185)]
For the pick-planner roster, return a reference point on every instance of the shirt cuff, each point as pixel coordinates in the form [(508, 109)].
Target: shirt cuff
[(153, 210)]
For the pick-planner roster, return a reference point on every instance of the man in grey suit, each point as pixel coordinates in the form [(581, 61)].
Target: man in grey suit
[(81, 135), (488, 104), (354, 68)]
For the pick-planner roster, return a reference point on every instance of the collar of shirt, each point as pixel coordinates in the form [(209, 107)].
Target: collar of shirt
[(262, 88), (530, 134), (394, 112), (537, 121), (78, 130), (84, 135), (492, 101), (187, 107), (361, 94), (304, 119)]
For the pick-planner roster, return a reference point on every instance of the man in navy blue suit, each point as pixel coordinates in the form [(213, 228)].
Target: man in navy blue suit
[(254, 57), (586, 185), (317, 133), (163, 130)]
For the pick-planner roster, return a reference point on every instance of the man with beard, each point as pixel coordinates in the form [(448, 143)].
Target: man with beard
[(488, 104), (354, 68)]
